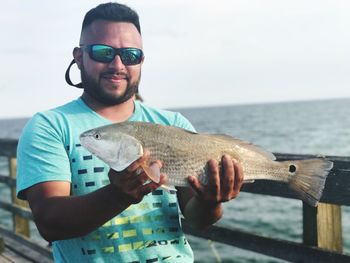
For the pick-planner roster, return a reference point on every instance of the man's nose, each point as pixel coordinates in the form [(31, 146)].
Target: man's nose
[(117, 63)]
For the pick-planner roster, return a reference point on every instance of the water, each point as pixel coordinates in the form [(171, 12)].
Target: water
[(12, 128), (318, 127)]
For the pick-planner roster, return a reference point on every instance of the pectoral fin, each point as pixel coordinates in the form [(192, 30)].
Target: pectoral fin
[(168, 188), (152, 172), (250, 181)]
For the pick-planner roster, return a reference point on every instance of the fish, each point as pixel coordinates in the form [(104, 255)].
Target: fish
[(185, 153)]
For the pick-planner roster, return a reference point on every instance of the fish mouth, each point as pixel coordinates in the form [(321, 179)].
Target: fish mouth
[(86, 134), (85, 137)]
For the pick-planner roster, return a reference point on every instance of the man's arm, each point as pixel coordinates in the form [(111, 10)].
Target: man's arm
[(202, 205), (61, 216)]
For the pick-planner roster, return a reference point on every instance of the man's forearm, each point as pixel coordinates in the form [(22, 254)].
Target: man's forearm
[(65, 217)]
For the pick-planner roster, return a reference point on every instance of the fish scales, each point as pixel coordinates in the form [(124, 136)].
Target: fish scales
[(174, 148), (185, 153)]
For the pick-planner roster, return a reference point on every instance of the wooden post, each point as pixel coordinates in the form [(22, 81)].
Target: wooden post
[(309, 225), (322, 226), (330, 225), (20, 224), (2, 245)]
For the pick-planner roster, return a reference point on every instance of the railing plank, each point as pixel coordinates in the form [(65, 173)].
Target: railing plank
[(26, 247), (18, 210), (337, 189), (8, 147), (11, 182), (287, 250), (2, 245), (309, 225)]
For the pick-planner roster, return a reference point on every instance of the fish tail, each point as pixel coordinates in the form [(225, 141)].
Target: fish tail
[(308, 178)]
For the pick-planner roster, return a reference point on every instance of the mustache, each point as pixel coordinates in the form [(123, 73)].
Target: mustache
[(114, 72)]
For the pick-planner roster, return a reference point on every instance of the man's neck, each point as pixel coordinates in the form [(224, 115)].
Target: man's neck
[(116, 113)]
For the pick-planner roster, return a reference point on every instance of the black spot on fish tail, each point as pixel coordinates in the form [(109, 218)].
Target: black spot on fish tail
[(292, 168)]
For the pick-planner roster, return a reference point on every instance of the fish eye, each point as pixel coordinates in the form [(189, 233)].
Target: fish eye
[(97, 136)]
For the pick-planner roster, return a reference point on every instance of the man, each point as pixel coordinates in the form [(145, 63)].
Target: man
[(91, 213)]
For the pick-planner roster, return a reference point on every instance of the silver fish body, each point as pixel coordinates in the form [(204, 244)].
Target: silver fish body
[(184, 153)]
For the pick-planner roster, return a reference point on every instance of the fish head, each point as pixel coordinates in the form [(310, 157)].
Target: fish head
[(117, 149)]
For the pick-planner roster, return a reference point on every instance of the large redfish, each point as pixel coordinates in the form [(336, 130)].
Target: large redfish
[(185, 153)]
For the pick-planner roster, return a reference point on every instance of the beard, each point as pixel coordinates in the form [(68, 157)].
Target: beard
[(94, 89)]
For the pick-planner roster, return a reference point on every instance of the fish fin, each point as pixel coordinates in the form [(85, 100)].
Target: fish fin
[(168, 188), (249, 181), (309, 178), (227, 137), (188, 131), (169, 127), (122, 166), (268, 155), (121, 162), (152, 173)]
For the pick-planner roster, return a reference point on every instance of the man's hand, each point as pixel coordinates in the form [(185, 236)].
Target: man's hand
[(132, 184), (201, 204), (222, 185)]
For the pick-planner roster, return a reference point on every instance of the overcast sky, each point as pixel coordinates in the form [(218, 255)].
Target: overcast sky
[(198, 52)]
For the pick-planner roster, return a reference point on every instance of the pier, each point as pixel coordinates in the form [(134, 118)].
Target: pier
[(322, 225)]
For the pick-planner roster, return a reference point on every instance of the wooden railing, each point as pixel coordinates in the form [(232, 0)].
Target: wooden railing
[(18, 239), (322, 226)]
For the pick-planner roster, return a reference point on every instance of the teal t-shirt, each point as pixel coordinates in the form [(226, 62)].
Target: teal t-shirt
[(49, 150)]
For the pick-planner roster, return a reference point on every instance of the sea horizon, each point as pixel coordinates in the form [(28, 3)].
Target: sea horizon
[(208, 106)]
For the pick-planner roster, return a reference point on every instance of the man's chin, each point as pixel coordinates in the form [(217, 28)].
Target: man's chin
[(113, 88), (112, 99), (110, 94)]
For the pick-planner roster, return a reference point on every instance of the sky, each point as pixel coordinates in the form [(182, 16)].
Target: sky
[(197, 53)]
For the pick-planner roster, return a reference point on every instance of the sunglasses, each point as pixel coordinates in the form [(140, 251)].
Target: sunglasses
[(106, 54)]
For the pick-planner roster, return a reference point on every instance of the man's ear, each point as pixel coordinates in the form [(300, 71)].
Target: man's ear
[(78, 56)]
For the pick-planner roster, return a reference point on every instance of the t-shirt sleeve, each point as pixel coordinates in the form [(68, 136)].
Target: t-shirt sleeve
[(184, 123), (41, 154)]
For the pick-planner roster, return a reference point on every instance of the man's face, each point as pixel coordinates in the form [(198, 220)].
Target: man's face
[(110, 83)]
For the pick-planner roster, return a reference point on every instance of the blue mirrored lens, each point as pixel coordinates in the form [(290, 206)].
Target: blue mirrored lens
[(106, 54)]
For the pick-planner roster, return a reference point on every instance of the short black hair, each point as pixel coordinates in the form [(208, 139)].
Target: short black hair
[(112, 12)]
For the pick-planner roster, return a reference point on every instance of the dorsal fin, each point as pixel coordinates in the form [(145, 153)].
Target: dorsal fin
[(268, 155)]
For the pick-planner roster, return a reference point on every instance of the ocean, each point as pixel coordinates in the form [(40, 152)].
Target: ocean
[(309, 127)]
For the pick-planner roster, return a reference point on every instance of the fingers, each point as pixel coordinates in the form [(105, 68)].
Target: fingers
[(133, 182), (231, 178), (239, 176), (214, 180), (211, 191), (137, 180), (223, 184), (196, 185), (227, 181)]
